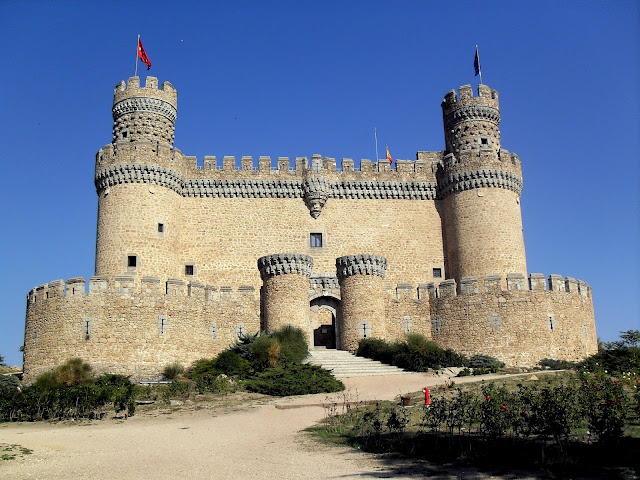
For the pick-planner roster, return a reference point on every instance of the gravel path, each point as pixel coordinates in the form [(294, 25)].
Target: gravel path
[(262, 439)]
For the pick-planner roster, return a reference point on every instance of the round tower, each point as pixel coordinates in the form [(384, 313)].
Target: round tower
[(480, 186), (138, 185), (285, 291), (362, 300)]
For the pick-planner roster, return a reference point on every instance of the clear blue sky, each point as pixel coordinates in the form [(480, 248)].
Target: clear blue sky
[(298, 78)]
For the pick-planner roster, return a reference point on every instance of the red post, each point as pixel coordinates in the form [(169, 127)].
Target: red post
[(427, 396)]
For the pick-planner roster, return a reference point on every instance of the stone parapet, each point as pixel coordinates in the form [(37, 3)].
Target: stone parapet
[(362, 264), (284, 263)]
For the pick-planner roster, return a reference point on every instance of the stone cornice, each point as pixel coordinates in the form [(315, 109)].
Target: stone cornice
[(361, 264), (315, 190), (144, 104), (482, 178), (464, 113), (138, 173), (285, 263)]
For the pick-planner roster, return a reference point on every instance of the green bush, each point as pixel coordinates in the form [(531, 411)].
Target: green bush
[(72, 372), (377, 349), (293, 344), (173, 370), (204, 366), (50, 401), (483, 364), (553, 364), (294, 379), (9, 382), (230, 363), (264, 353), (416, 353)]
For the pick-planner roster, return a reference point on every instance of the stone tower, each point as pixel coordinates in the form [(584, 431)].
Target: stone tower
[(480, 186), (139, 219)]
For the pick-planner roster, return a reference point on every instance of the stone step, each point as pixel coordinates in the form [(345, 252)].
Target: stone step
[(344, 364)]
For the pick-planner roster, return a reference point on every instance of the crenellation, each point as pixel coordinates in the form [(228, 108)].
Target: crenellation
[(405, 291), (516, 281), (264, 164), (469, 286), (492, 283), (246, 163), (571, 284), (175, 287), (228, 163), (75, 286), (196, 289), (447, 288), (537, 281), (556, 283), (98, 284)]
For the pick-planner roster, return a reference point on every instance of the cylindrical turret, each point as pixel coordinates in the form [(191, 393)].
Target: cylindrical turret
[(144, 112), (138, 190), (480, 185), (285, 291), (362, 301)]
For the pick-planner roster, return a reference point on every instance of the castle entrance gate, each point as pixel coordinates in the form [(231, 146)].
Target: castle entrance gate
[(325, 322)]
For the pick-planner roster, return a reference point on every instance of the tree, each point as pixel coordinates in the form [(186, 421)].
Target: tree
[(2, 364), (630, 338)]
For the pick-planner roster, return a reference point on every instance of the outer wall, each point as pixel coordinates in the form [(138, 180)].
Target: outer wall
[(125, 334), (524, 334)]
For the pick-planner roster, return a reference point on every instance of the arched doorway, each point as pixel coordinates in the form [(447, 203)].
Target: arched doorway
[(325, 322)]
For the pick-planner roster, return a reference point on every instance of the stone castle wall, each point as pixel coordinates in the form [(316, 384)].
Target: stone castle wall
[(133, 330)]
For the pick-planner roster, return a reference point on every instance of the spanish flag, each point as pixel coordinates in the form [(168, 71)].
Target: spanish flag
[(389, 155)]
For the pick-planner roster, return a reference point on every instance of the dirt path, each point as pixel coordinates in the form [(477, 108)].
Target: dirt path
[(259, 440)]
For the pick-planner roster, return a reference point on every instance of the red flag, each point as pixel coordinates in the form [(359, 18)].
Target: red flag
[(143, 55)]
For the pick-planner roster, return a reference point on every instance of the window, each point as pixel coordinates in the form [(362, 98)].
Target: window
[(125, 134), (132, 261), (316, 240), (188, 270), (437, 273), (484, 141), (550, 319), (161, 228)]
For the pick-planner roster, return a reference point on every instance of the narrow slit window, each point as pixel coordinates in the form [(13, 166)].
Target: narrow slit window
[(551, 325), (161, 228), (316, 240)]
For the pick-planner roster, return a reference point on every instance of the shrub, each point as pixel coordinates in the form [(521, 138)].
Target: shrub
[(173, 370), (74, 372), (416, 353), (376, 349), (483, 364), (202, 367), (264, 353), (230, 363), (293, 344), (243, 345), (294, 379), (9, 382), (554, 364)]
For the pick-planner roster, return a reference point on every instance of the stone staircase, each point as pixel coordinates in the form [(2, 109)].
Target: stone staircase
[(344, 364)]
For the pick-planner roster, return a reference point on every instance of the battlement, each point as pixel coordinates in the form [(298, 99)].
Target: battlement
[(125, 286), (132, 88), (490, 284), (486, 97)]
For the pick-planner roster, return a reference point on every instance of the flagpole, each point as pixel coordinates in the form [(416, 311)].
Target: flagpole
[(138, 46), (375, 133)]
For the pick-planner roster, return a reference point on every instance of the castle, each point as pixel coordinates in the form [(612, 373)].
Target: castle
[(189, 256)]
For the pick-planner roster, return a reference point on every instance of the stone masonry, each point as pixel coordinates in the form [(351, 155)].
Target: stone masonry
[(186, 251)]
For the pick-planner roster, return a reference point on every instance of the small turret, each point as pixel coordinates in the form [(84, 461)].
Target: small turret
[(144, 113), (471, 123)]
